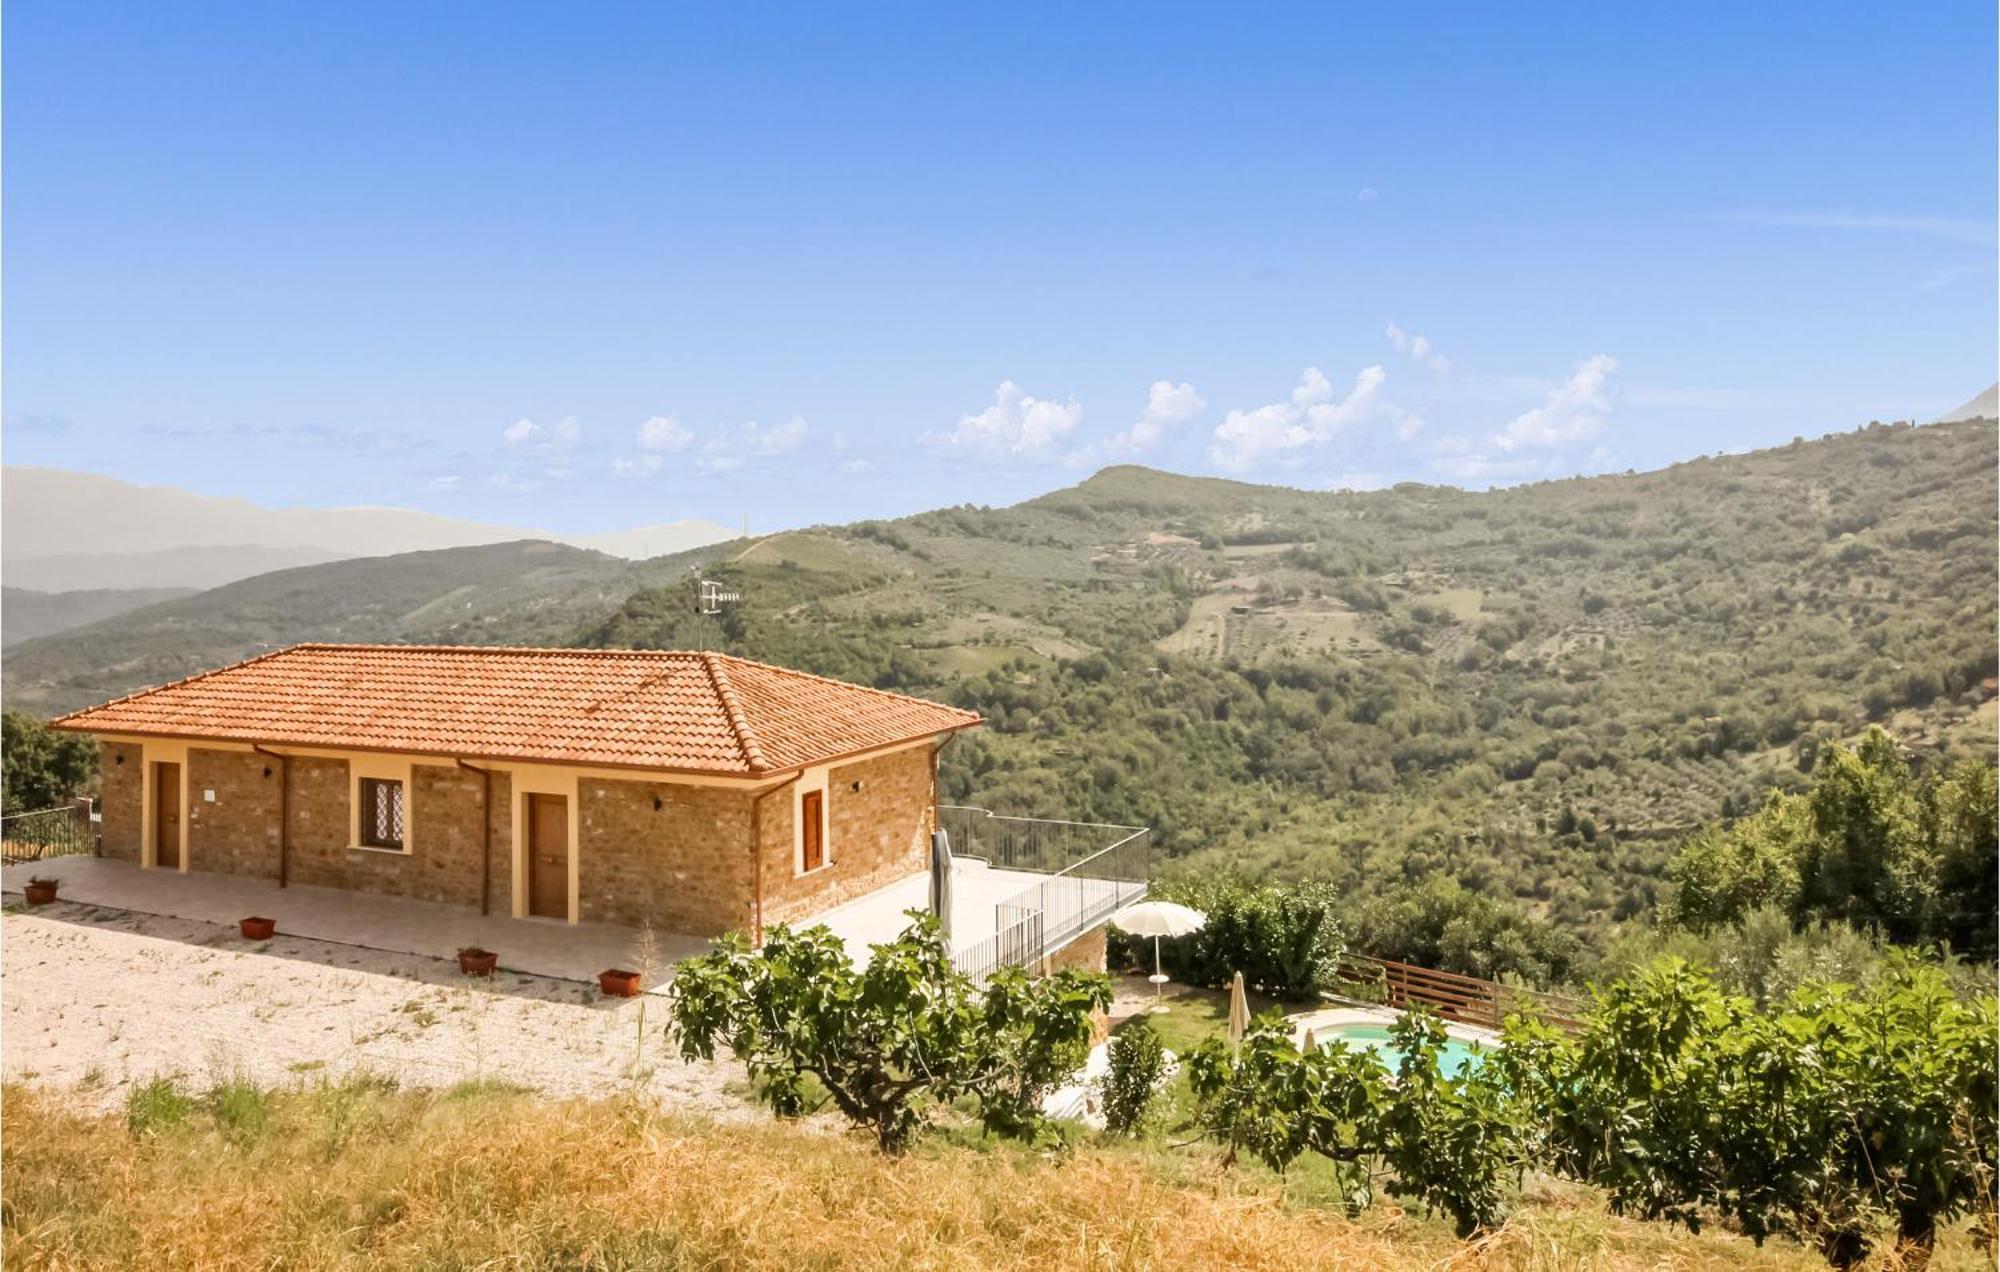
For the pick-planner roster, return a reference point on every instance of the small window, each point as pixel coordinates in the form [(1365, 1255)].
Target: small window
[(381, 813)]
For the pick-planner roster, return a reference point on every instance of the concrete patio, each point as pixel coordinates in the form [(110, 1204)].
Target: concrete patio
[(538, 947)]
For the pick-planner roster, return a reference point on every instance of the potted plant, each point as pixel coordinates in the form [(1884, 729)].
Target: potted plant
[(41, 890), (474, 961), (259, 929), (617, 983)]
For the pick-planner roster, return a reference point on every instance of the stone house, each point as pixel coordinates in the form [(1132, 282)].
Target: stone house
[(694, 792)]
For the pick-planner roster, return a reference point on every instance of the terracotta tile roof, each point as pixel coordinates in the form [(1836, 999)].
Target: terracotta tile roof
[(685, 712)]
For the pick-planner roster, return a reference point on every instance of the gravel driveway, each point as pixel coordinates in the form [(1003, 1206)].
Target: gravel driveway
[(99, 999)]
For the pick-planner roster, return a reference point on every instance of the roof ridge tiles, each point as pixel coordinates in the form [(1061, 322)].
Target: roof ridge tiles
[(890, 694), (732, 707)]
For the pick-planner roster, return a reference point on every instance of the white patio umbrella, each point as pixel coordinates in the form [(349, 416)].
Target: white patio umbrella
[(941, 882), (1239, 1011), (1157, 919)]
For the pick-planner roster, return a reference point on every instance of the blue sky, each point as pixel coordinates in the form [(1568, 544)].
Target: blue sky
[(588, 266)]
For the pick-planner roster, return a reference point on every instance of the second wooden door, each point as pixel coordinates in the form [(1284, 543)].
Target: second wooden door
[(548, 856)]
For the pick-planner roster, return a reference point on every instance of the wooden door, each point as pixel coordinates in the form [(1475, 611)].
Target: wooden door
[(548, 856), (167, 816), (813, 855)]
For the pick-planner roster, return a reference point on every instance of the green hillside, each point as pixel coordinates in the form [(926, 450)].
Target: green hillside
[(28, 614), (526, 592), (1533, 690)]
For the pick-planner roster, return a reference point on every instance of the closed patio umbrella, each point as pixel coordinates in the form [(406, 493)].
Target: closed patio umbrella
[(941, 882), (1157, 919), (1239, 1010)]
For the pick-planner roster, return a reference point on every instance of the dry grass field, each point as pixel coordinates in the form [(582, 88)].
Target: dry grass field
[(357, 1174)]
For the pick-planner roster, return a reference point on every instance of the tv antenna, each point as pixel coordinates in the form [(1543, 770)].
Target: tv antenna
[(710, 596)]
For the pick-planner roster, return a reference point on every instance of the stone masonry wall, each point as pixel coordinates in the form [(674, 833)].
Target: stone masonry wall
[(875, 835), (445, 844), (121, 793), (1085, 953), (683, 867), (238, 832)]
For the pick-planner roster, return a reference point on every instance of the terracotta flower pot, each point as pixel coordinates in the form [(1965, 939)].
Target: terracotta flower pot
[(39, 893), (256, 929), (474, 961), (618, 984)]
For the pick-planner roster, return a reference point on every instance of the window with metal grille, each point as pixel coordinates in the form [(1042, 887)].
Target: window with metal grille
[(381, 813)]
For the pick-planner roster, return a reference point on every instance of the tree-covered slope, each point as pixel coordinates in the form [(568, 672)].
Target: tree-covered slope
[(1531, 689), (526, 592)]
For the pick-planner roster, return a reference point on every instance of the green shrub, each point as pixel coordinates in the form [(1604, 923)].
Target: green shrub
[(1137, 1061), (1444, 925), (1285, 939), (239, 1106), (1450, 1141), (1847, 1110), (158, 1106), (1447, 1141)]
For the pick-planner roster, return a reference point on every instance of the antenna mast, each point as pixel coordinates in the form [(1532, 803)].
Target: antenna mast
[(710, 596)]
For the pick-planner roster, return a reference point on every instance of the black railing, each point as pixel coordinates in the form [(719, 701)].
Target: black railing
[(47, 832)]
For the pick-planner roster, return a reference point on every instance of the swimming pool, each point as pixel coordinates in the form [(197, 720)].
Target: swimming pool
[(1453, 1056)]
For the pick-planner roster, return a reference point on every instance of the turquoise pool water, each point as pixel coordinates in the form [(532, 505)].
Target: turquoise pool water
[(1455, 1055)]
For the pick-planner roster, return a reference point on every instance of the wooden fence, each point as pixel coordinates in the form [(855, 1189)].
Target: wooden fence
[(1466, 1000)]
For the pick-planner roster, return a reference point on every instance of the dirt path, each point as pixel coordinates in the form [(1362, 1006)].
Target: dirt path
[(99, 999)]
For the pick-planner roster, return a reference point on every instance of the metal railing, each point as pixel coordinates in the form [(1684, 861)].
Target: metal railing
[(1093, 868), (47, 832), (1016, 945)]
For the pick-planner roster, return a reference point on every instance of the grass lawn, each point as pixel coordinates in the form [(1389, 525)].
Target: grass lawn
[(1194, 1015)]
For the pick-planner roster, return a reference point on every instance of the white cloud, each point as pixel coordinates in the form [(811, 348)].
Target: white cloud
[(664, 433), (1574, 411), (1015, 428), (1367, 194), (1419, 348), (525, 434), (1278, 433), (1169, 406), (1359, 481), (753, 441), (637, 465)]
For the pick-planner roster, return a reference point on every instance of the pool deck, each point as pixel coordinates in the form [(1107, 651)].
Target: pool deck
[(1323, 1021)]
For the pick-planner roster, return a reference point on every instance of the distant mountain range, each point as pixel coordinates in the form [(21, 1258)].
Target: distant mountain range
[(1984, 407), (68, 531)]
